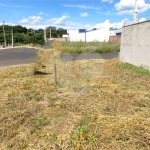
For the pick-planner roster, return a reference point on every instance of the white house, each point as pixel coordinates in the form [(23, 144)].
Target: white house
[(100, 35)]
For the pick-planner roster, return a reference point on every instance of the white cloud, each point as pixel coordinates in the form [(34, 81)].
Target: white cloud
[(142, 19), (107, 24), (109, 1), (61, 23), (73, 25), (102, 25), (58, 21), (64, 22), (88, 27), (34, 26), (41, 13), (127, 6), (84, 14), (31, 20), (82, 6)]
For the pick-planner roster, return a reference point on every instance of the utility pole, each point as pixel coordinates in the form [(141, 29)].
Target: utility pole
[(45, 35), (135, 12), (50, 33), (4, 33), (12, 38), (85, 42)]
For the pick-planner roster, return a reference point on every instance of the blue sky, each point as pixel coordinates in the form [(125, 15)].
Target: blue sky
[(71, 14)]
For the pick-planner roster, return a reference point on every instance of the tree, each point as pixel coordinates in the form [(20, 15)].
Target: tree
[(27, 36), (19, 29), (61, 31)]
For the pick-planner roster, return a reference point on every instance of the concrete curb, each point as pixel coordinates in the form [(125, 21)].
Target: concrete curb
[(20, 47)]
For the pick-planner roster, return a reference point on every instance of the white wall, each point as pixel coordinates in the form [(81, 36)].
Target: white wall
[(112, 33), (135, 44), (72, 32), (96, 35)]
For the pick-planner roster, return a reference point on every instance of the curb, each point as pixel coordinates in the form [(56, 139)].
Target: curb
[(19, 47)]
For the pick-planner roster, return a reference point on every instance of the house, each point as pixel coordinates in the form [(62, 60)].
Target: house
[(115, 35), (99, 35)]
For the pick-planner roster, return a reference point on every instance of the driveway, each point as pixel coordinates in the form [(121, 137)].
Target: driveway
[(17, 56)]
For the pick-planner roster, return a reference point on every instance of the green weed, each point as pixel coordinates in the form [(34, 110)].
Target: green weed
[(141, 70), (90, 47), (86, 133), (38, 122)]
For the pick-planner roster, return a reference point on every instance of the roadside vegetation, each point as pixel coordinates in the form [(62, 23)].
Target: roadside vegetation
[(32, 45), (24, 36), (91, 47), (96, 104)]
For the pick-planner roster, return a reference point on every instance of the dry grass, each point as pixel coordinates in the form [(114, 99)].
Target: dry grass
[(96, 105)]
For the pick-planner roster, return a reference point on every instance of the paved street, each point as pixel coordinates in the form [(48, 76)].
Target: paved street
[(47, 44), (17, 56), (72, 57)]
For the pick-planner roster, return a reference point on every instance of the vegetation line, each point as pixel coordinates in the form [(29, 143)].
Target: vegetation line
[(91, 47), (141, 70)]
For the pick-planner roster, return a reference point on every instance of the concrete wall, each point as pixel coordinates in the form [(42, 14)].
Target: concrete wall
[(72, 32), (96, 35), (135, 44)]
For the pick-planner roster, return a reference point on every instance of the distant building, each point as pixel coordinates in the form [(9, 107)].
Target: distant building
[(115, 35), (100, 35)]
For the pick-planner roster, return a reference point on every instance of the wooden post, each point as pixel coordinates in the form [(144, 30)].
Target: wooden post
[(55, 74)]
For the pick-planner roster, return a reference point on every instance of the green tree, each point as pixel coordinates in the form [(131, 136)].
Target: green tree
[(61, 31), (28, 36)]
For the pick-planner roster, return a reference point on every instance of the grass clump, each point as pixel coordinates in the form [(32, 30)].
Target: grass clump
[(56, 46), (84, 134), (91, 47)]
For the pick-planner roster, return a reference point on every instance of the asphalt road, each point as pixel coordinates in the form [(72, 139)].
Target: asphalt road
[(73, 57), (17, 56), (47, 44)]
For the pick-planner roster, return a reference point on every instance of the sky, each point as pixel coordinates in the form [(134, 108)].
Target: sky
[(71, 14)]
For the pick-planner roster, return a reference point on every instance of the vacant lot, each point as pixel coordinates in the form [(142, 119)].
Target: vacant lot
[(96, 105)]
